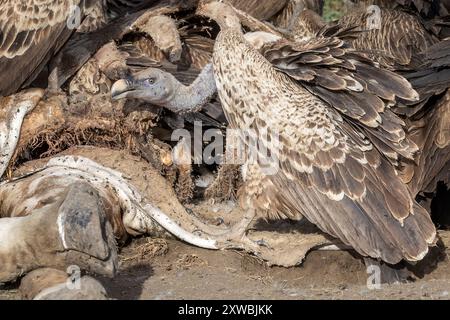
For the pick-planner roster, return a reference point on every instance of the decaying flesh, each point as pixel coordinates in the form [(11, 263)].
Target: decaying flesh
[(13, 110), (69, 229), (147, 203)]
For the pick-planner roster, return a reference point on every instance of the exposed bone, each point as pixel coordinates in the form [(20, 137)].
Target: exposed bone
[(14, 109), (285, 245), (334, 247), (139, 217)]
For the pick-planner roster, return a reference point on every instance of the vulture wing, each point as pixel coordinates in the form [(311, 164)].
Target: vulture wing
[(30, 33), (350, 83), (429, 126), (198, 50), (335, 169), (288, 16), (433, 77), (399, 42)]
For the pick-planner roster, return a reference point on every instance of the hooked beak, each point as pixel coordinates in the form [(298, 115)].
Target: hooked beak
[(126, 88)]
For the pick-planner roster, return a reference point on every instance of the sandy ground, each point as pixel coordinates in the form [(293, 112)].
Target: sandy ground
[(169, 269)]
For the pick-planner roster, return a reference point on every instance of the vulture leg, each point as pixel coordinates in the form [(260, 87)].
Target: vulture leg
[(69, 230)]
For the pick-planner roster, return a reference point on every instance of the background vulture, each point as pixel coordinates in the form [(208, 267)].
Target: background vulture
[(31, 32), (34, 31)]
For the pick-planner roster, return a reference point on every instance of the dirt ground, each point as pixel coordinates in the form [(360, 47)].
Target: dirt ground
[(169, 269)]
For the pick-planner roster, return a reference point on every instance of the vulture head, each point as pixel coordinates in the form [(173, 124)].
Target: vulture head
[(222, 13), (164, 32), (151, 85)]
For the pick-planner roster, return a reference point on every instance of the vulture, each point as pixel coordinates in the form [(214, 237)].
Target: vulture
[(392, 139), (287, 17), (417, 53), (340, 141), (398, 43), (32, 32), (325, 112), (426, 8)]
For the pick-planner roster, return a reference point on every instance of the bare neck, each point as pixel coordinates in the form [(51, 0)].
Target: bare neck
[(192, 98)]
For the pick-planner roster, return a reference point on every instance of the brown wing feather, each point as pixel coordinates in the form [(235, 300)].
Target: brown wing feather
[(351, 84), (260, 9), (330, 171), (431, 78), (197, 49), (352, 193), (292, 12), (30, 32), (432, 134), (359, 203), (427, 8), (399, 43)]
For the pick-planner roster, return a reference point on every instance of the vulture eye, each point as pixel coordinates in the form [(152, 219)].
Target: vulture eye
[(151, 80)]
